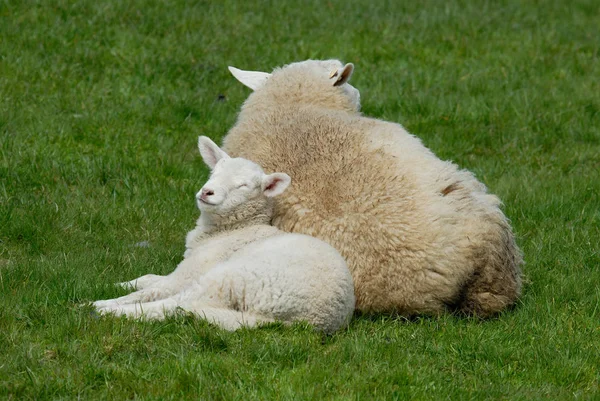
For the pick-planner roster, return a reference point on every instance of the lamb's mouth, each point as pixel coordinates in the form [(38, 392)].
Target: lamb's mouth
[(206, 202)]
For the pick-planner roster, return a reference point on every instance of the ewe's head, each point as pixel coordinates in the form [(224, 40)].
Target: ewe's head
[(236, 185), (316, 82)]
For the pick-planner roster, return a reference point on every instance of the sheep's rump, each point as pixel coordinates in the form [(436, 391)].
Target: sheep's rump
[(419, 235)]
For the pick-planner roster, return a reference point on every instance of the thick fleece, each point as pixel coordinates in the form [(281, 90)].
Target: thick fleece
[(240, 271), (419, 234)]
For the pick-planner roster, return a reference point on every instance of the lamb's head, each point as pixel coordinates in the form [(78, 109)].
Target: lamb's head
[(236, 186), (316, 82)]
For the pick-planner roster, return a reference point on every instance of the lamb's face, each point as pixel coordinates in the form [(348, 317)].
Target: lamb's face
[(235, 182), (232, 183)]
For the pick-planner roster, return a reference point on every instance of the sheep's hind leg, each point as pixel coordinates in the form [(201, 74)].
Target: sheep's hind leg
[(145, 295), (496, 287), (147, 310), (148, 280), (229, 319)]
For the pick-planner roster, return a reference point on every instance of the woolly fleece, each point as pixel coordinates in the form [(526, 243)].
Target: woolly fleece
[(420, 236), (237, 269)]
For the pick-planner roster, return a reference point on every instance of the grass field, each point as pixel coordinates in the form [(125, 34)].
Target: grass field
[(101, 103)]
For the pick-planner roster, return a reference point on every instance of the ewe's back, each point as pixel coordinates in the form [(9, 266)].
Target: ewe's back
[(419, 235)]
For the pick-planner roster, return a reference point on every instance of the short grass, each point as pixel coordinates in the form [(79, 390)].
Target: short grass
[(100, 106)]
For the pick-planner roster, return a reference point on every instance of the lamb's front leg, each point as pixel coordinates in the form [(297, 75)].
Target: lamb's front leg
[(148, 280), (148, 310), (145, 295)]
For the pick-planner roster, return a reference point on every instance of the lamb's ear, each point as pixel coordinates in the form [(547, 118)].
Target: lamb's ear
[(252, 79), (342, 75), (210, 152), (274, 184)]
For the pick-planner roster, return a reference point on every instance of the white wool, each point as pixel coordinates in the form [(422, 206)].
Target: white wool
[(419, 234), (237, 269)]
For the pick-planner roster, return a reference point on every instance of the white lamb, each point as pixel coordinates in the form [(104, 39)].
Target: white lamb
[(238, 270)]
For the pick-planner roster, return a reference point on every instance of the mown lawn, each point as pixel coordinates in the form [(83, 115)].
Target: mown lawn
[(101, 103)]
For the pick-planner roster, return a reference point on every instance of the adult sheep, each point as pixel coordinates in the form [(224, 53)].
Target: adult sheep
[(420, 235)]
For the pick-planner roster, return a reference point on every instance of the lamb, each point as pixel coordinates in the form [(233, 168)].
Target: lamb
[(420, 236), (238, 270)]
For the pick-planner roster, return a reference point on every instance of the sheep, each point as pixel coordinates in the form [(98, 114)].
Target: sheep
[(420, 235), (238, 270)]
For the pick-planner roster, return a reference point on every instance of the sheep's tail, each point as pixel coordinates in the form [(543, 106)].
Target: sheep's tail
[(230, 319)]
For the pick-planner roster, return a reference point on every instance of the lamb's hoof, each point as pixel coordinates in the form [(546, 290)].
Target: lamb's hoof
[(103, 304), (126, 285), (108, 310)]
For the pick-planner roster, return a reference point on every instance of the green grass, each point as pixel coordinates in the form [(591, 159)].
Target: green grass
[(101, 103)]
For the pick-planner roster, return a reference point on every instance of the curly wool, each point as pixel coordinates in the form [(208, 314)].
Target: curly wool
[(419, 234), (240, 271)]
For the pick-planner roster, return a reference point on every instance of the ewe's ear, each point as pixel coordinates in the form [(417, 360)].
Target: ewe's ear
[(342, 75), (252, 79), (210, 152), (274, 184)]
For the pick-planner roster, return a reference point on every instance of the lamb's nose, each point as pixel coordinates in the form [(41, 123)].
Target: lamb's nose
[(206, 192)]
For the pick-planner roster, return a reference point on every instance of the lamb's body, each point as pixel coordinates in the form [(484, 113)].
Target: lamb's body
[(239, 271), (418, 234), (248, 276)]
